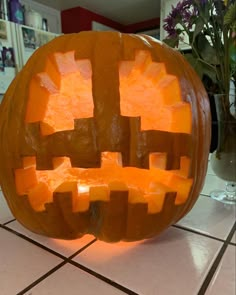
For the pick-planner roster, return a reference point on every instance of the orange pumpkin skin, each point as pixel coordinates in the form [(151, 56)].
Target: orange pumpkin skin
[(108, 171)]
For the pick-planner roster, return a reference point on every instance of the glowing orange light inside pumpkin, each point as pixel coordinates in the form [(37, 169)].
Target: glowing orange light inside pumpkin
[(65, 91), (146, 90)]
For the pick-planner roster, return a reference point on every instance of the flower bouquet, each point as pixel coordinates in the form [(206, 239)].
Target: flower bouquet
[(208, 27)]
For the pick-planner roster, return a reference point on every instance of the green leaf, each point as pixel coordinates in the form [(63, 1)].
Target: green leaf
[(230, 16), (210, 72), (195, 64), (172, 42), (201, 68), (198, 27), (232, 53), (208, 53)]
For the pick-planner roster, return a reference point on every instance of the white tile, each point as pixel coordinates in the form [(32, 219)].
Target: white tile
[(224, 282), (176, 260), (210, 217), (5, 213), (64, 247), (21, 263), (73, 281), (212, 182)]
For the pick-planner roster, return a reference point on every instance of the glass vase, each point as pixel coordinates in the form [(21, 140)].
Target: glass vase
[(223, 159)]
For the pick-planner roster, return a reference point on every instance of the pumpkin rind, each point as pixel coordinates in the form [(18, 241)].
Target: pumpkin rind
[(119, 217)]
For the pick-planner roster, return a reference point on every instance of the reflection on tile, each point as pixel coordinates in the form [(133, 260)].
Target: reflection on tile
[(64, 247), (5, 213), (73, 281), (210, 217), (212, 182), (21, 263), (223, 282), (157, 266)]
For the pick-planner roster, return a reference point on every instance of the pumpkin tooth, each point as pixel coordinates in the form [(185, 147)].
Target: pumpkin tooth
[(61, 162), (99, 193), (29, 162), (184, 170), (111, 159), (155, 202), (117, 185), (25, 180), (79, 195), (39, 195), (136, 196), (158, 160)]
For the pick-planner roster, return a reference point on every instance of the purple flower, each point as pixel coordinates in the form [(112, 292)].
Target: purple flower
[(183, 14)]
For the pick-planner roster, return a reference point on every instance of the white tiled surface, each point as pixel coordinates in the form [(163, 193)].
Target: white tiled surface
[(210, 217), (153, 267), (212, 182), (177, 262), (65, 248), (73, 281), (223, 282), (21, 263), (5, 213)]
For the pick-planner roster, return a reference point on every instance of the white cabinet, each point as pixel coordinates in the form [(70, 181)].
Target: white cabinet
[(52, 15)]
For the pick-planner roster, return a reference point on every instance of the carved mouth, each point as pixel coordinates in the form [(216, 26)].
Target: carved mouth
[(94, 184)]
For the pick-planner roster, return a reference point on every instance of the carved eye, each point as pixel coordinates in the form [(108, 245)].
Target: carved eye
[(147, 91), (65, 92)]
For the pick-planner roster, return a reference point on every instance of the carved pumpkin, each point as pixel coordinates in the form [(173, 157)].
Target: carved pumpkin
[(103, 133)]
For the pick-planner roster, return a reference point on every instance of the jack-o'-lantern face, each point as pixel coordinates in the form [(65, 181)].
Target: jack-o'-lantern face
[(107, 141)]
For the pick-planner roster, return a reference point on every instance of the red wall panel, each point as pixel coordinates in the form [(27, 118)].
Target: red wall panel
[(80, 19)]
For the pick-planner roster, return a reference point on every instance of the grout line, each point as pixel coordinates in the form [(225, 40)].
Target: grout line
[(81, 267), (104, 279), (204, 195), (47, 274), (45, 247), (33, 242), (82, 249), (198, 232), (217, 261), (5, 223)]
